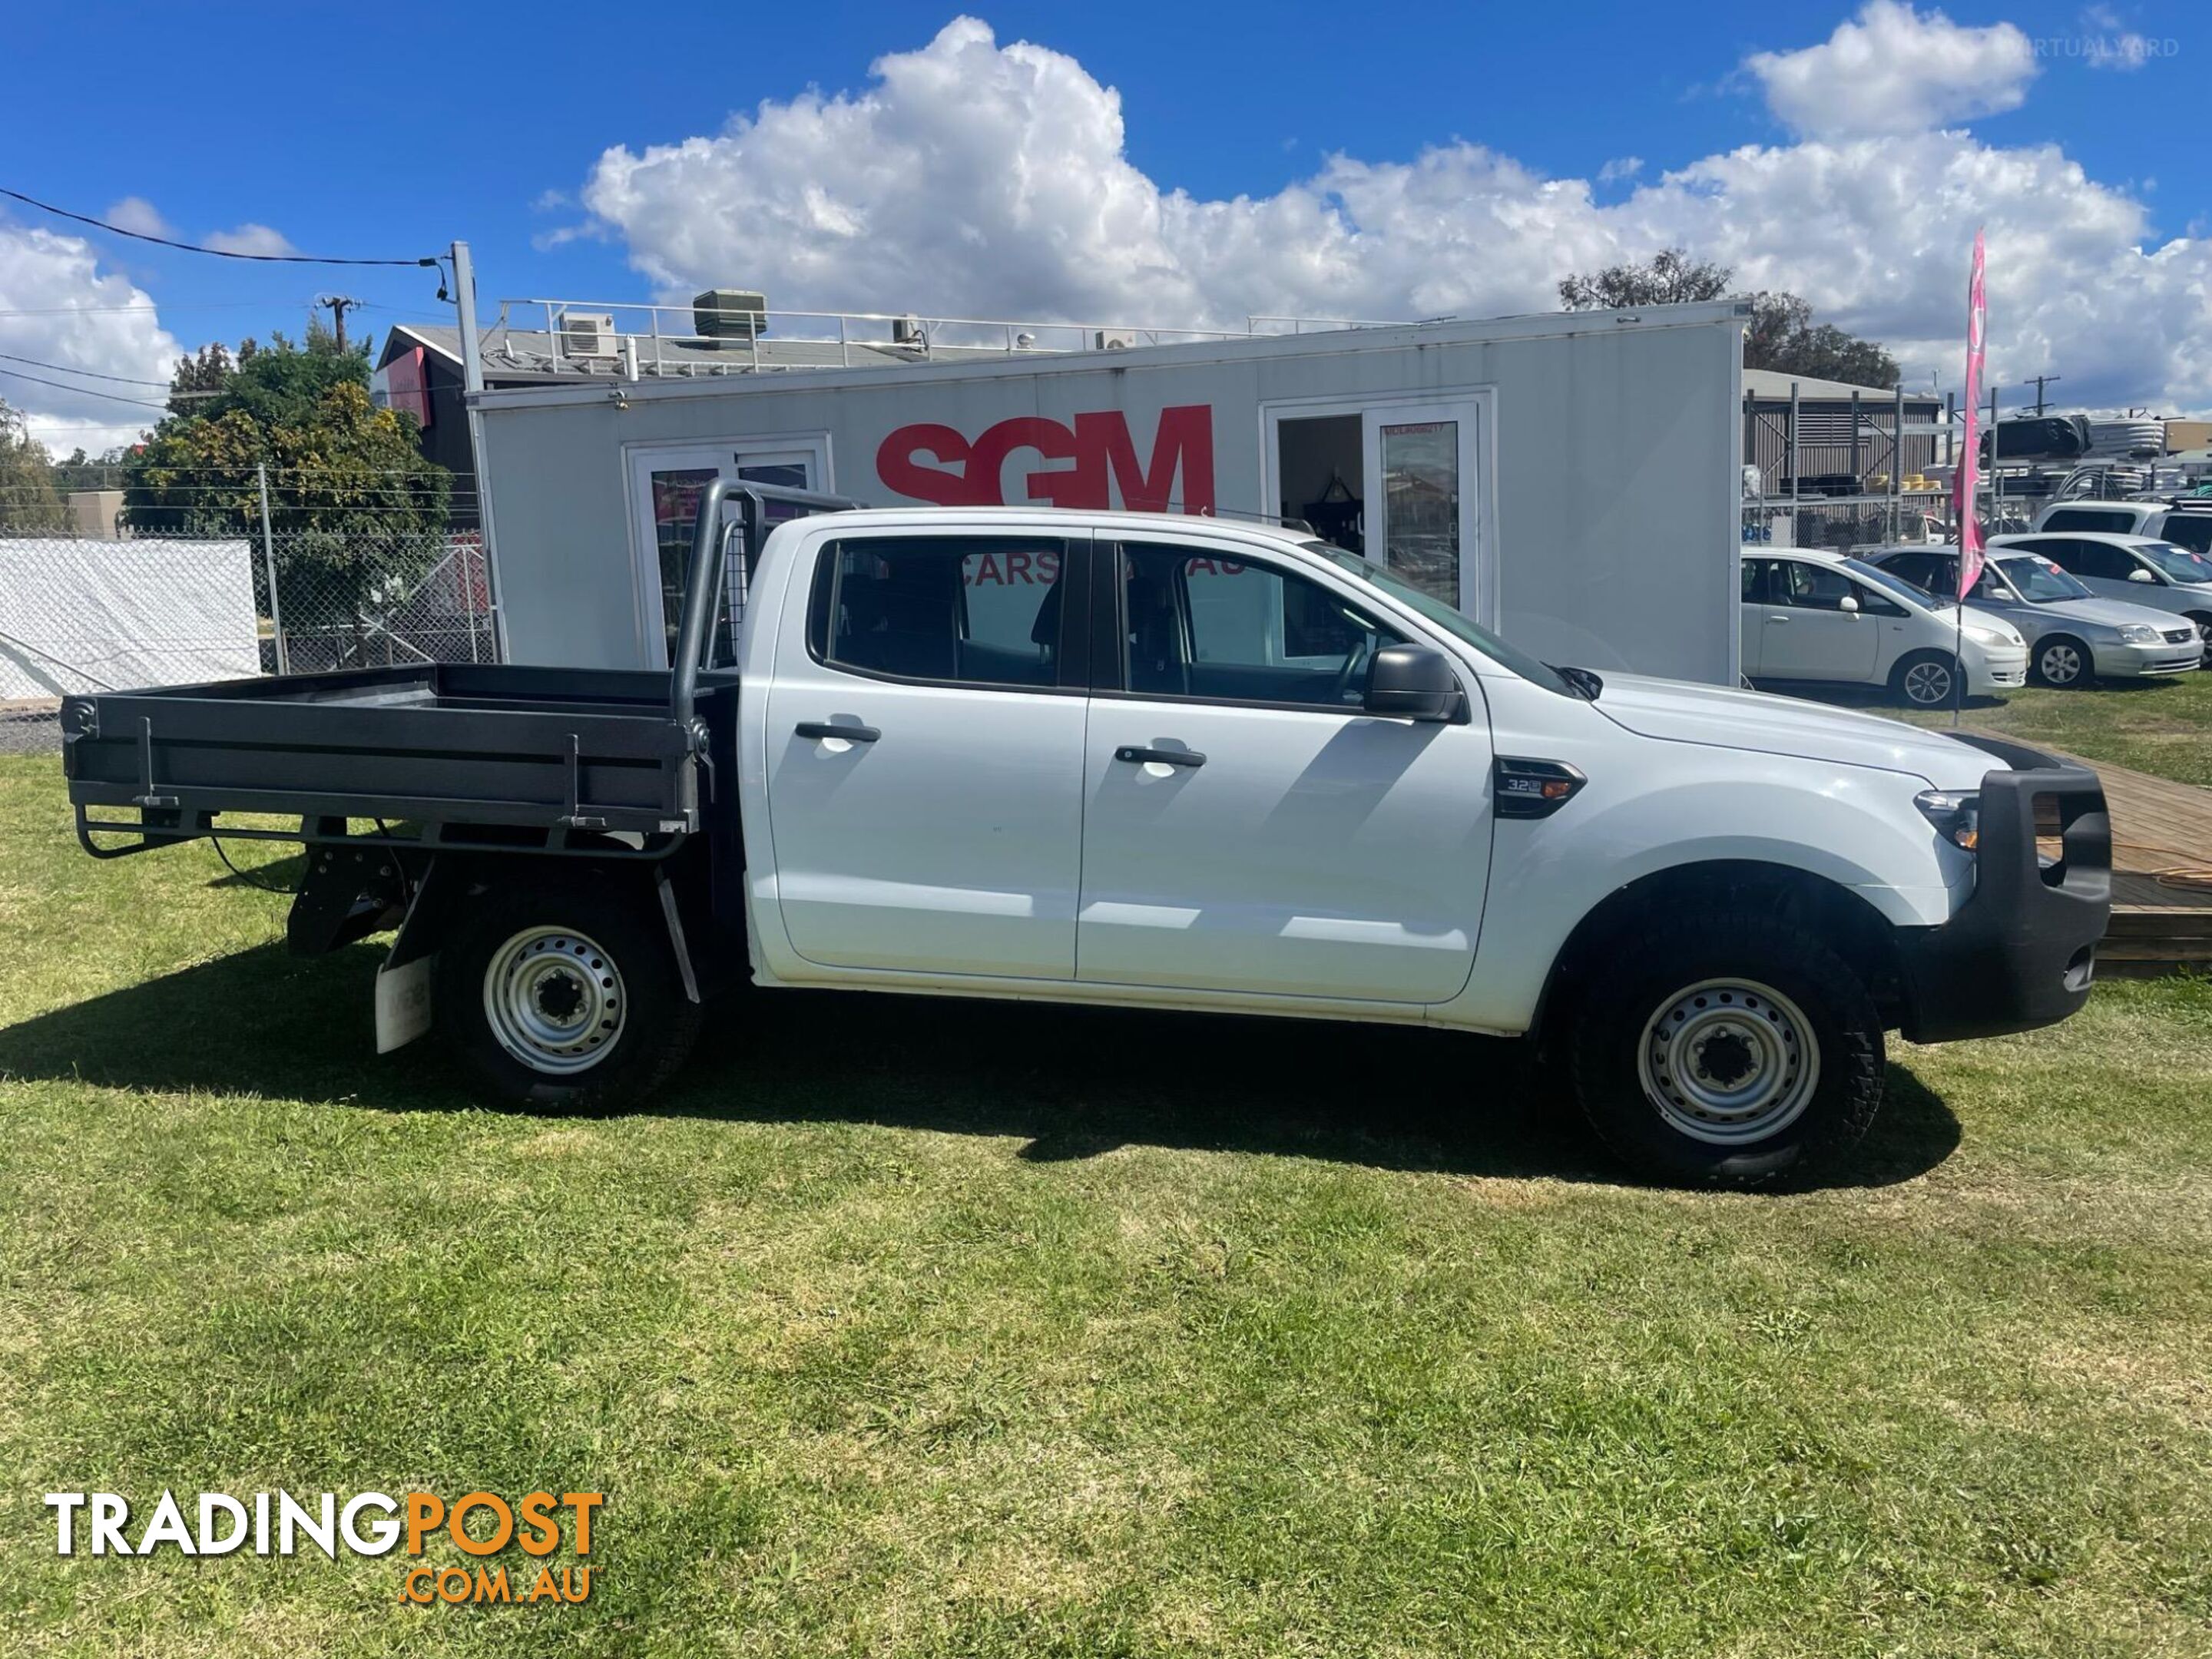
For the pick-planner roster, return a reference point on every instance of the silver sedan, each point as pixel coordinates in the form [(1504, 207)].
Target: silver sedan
[(2073, 636)]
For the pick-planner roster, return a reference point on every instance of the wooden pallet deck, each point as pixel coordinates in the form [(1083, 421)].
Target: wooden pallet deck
[(2158, 828)]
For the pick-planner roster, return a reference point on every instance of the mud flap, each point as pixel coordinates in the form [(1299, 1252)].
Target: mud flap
[(403, 1002)]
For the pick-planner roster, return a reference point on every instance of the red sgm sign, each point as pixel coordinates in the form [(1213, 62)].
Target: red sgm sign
[(930, 462)]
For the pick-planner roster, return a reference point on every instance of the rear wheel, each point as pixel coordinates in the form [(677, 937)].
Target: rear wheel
[(2063, 663), (1927, 679), (2203, 621), (566, 993), (1727, 1049)]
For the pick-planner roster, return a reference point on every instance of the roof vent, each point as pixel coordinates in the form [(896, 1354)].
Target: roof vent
[(722, 314)]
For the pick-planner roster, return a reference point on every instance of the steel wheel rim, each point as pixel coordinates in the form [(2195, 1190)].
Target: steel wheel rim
[(1729, 1061), (2061, 664), (555, 1000), (1928, 683)]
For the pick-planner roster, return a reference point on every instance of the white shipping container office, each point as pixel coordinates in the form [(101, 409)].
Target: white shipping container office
[(1570, 480)]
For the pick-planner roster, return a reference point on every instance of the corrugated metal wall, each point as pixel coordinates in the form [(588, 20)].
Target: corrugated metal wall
[(1824, 437)]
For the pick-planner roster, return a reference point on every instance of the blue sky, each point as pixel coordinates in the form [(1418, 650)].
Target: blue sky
[(392, 130)]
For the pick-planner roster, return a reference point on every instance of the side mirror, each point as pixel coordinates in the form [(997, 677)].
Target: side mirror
[(1411, 682), (1848, 604), (2140, 574)]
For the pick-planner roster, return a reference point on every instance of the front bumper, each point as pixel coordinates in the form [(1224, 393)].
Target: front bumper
[(1988, 671), (2167, 657), (2021, 952)]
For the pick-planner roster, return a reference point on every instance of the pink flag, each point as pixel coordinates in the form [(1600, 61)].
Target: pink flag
[(1963, 485)]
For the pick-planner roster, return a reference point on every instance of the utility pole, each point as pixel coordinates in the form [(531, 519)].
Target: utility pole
[(337, 305), (464, 303), (2041, 381), (269, 562)]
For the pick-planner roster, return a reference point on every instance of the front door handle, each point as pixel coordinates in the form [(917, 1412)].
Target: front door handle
[(827, 729), (1138, 755), (1777, 619)]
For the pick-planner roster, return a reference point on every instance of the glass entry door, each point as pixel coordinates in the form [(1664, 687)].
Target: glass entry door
[(664, 486), (1421, 464), (1397, 479)]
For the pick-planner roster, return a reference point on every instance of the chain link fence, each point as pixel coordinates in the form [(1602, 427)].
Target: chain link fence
[(370, 599), (89, 614), (1838, 524)]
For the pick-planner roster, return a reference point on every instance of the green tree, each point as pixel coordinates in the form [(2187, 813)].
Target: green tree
[(337, 464), (1781, 335), (1669, 278), (28, 500), (356, 510)]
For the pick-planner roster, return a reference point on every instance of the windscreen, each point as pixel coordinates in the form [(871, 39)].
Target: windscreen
[(2042, 583), (2178, 563)]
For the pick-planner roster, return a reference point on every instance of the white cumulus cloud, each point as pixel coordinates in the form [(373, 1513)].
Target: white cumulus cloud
[(250, 238), (1895, 69), (58, 308), (136, 213), (970, 178)]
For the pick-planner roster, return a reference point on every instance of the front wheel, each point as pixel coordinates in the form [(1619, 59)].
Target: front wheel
[(2063, 663), (565, 993), (1727, 1049), (1928, 679)]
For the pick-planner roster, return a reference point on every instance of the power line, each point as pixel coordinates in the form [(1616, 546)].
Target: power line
[(83, 391), (113, 311), (193, 247), (89, 373)]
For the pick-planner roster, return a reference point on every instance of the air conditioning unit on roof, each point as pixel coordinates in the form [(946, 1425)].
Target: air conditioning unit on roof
[(589, 335), (1114, 339)]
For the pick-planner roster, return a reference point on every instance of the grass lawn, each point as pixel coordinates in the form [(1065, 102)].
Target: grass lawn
[(2163, 727), (916, 1327)]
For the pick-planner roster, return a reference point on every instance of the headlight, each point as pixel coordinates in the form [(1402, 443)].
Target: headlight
[(2139, 634), (1991, 638), (1957, 815)]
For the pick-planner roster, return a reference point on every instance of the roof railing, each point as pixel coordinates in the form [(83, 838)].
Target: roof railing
[(630, 338)]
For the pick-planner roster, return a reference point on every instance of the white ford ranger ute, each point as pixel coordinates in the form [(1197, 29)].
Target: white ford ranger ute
[(1150, 761)]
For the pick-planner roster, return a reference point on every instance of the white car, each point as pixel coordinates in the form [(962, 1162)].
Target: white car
[(2186, 523), (1822, 617), (2141, 569), (1148, 760), (2074, 637)]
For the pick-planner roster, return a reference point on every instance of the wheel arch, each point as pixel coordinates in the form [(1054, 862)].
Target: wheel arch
[(1847, 921), (673, 890)]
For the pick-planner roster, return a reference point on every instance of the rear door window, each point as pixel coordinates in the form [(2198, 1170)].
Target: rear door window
[(1918, 569), (2089, 518), (959, 610), (2191, 530)]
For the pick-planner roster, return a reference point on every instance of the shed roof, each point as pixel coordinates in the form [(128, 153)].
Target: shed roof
[(1769, 383)]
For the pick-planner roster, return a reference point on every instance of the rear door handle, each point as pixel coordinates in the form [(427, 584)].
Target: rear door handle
[(1138, 756), (826, 729), (1777, 619)]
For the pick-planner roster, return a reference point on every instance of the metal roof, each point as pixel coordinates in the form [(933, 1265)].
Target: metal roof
[(1765, 384)]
